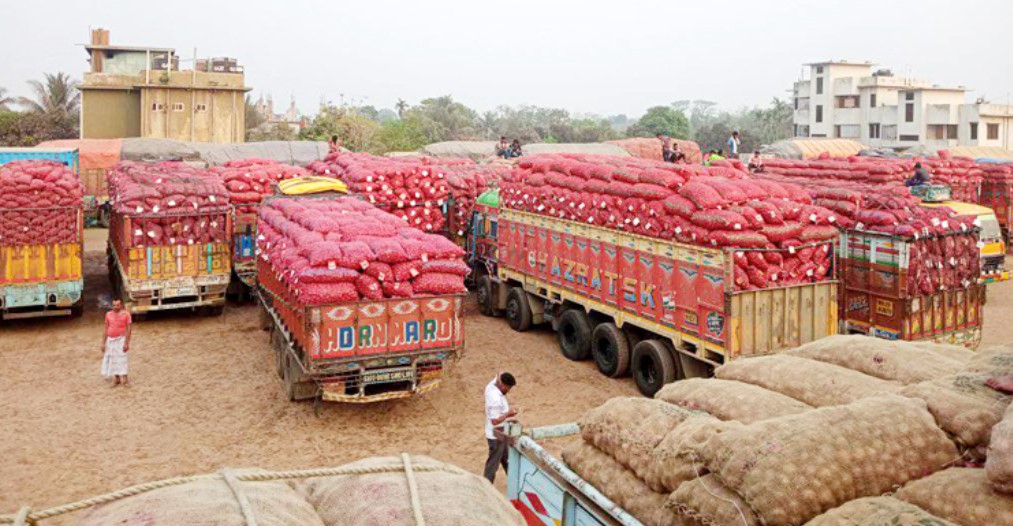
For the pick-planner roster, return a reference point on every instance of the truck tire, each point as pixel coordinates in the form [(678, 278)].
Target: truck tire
[(279, 351), (653, 367), (483, 293), (295, 388), (575, 335), (518, 311), (611, 350)]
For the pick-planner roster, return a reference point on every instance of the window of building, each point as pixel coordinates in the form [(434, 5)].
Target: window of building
[(846, 101), (872, 100), (909, 96), (993, 132), (819, 135), (942, 132), (909, 112), (157, 106), (846, 131), (819, 69), (201, 107), (801, 130), (889, 132), (177, 106), (909, 138), (819, 85), (819, 113), (974, 131), (874, 131)]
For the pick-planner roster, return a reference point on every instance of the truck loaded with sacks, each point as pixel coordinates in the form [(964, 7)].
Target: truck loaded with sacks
[(362, 306), (848, 430), (169, 237), (41, 234), (661, 270)]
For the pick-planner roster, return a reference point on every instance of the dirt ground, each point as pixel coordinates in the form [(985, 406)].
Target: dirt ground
[(206, 397)]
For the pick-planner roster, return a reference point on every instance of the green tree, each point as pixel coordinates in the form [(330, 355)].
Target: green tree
[(56, 99), (276, 131), (356, 132), (22, 129), (253, 118), (401, 107), (401, 135), (443, 119), (5, 100), (661, 119)]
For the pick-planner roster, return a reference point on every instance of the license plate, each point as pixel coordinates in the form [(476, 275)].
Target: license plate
[(181, 291), (385, 376)]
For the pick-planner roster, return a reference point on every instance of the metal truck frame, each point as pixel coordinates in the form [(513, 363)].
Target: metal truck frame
[(642, 328)]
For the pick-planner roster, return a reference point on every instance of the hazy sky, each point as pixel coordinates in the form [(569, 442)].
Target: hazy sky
[(589, 56)]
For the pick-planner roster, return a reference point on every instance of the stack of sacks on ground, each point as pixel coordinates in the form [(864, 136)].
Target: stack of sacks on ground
[(171, 203), (342, 250), (944, 245), (760, 449), (781, 237), (250, 180), (467, 182), (38, 203), (997, 172), (962, 174), (413, 188)]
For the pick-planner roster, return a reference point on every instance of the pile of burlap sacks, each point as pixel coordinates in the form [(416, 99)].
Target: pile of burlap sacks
[(846, 430), (380, 493)]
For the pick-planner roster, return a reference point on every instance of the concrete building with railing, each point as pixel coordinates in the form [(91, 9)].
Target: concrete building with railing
[(141, 92), (849, 100)]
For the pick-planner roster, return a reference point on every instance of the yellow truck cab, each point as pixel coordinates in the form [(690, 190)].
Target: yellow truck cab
[(993, 246)]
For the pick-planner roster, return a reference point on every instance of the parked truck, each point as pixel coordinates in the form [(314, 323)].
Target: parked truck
[(659, 309), (41, 277)]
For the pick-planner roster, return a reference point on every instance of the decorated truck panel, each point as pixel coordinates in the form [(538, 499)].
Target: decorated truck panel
[(42, 279)]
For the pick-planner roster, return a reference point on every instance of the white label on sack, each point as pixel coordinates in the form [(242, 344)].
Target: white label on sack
[(372, 199), (151, 234), (413, 272), (247, 174), (138, 232), (791, 250), (831, 219), (590, 220), (140, 209), (189, 241), (581, 206), (977, 221), (813, 218), (369, 188), (172, 241), (158, 181), (603, 204), (774, 277), (212, 198), (425, 258), (809, 272), (953, 262), (411, 203), (364, 264), (737, 226), (369, 178), (647, 226), (860, 226), (636, 221), (172, 202), (612, 218), (981, 244), (331, 265), (935, 221), (155, 209), (425, 173), (946, 225)]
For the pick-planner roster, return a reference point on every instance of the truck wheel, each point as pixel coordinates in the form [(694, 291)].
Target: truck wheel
[(575, 335), (653, 367), (278, 348), (610, 349), (518, 311), (296, 389), (77, 310), (483, 292)]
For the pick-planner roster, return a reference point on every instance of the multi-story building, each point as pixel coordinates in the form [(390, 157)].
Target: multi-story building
[(265, 108), (141, 92), (848, 100)]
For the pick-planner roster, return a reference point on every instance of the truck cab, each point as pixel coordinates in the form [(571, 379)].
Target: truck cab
[(992, 242)]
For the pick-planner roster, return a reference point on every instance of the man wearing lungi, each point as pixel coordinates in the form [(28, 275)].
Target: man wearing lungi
[(116, 344)]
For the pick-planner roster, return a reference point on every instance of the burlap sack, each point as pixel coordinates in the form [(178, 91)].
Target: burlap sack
[(888, 360), (993, 361), (705, 501), (960, 495), (954, 352), (673, 461), (618, 483), (450, 497), (629, 428), (791, 469), (963, 406), (999, 465), (210, 502), (815, 383), (878, 511), (730, 400)]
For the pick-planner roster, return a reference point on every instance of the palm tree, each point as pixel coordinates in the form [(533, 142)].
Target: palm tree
[(4, 99), (401, 107), (58, 96)]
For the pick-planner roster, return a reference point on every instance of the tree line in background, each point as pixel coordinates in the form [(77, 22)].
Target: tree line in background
[(364, 128), (52, 112)]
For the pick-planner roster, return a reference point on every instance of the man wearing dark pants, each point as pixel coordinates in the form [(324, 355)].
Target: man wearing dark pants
[(497, 413)]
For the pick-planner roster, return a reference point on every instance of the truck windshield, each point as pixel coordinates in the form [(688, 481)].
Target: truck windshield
[(990, 228)]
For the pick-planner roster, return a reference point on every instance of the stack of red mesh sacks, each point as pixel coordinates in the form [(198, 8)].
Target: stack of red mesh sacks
[(783, 236), (169, 203), (39, 203), (413, 188), (961, 174), (467, 182), (250, 180), (944, 246), (341, 250), (997, 191)]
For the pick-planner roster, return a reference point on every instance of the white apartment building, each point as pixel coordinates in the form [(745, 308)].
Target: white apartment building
[(849, 100)]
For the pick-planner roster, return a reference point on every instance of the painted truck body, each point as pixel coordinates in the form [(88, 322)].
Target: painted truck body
[(168, 277), (875, 300), (244, 248), (43, 279), (547, 493), (672, 294), (365, 351)]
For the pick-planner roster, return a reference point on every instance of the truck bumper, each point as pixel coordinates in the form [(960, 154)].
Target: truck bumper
[(45, 299)]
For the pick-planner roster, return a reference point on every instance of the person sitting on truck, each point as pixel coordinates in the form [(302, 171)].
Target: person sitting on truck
[(503, 148), (755, 163), (334, 144), (921, 177), (116, 344), (497, 413), (515, 148), (677, 156)]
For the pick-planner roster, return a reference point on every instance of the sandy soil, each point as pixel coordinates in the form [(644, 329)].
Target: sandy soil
[(206, 397)]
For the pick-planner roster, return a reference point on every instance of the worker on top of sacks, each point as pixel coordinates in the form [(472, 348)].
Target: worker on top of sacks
[(666, 147), (921, 177)]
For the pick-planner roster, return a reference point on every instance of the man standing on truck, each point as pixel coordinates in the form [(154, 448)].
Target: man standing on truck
[(116, 344), (497, 412), (666, 147)]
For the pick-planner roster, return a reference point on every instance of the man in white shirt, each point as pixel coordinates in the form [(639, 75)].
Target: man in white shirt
[(497, 412), (733, 145)]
